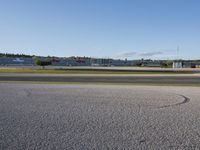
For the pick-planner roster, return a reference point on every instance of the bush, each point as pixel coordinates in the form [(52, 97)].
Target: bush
[(43, 63), (166, 64)]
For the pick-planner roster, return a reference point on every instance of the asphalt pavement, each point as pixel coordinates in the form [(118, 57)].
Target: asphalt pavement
[(42, 116), (127, 79)]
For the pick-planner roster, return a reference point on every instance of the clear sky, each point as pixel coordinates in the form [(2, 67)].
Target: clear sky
[(101, 28)]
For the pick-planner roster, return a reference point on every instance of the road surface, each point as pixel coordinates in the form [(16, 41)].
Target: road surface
[(127, 79), (37, 116)]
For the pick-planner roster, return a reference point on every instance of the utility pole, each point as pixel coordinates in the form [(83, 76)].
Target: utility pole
[(178, 49)]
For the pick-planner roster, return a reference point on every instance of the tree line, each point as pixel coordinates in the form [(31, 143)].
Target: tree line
[(16, 55)]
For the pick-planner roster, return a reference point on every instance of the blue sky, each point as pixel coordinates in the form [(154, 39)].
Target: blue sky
[(101, 28)]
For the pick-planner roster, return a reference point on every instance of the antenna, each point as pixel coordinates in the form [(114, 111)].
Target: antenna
[(178, 49)]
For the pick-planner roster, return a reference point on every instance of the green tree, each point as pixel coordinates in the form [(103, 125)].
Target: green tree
[(43, 63), (166, 64)]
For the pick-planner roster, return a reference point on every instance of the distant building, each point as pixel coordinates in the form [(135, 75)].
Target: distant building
[(10, 61), (192, 64), (18, 60), (198, 66), (177, 64), (89, 61), (101, 62), (186, 64)]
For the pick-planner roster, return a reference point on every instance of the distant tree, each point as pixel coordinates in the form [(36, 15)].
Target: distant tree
[(15, 55), (43, 63), (166, 64), (139, 64)]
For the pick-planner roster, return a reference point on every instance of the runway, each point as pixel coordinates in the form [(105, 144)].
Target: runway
[(42, 116), (127, 79)]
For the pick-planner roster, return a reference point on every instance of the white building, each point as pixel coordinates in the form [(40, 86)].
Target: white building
[(177, 64)]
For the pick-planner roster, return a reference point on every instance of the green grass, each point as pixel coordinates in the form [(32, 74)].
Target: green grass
[(80, 71)]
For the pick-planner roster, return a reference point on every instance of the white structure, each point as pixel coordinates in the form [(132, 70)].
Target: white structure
[(177, 64), (197, 66), (18, 60)]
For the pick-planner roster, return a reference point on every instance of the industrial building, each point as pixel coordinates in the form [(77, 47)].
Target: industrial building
[(186, 64)]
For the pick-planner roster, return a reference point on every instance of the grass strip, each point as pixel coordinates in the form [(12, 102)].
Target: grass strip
[(87, 71)]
